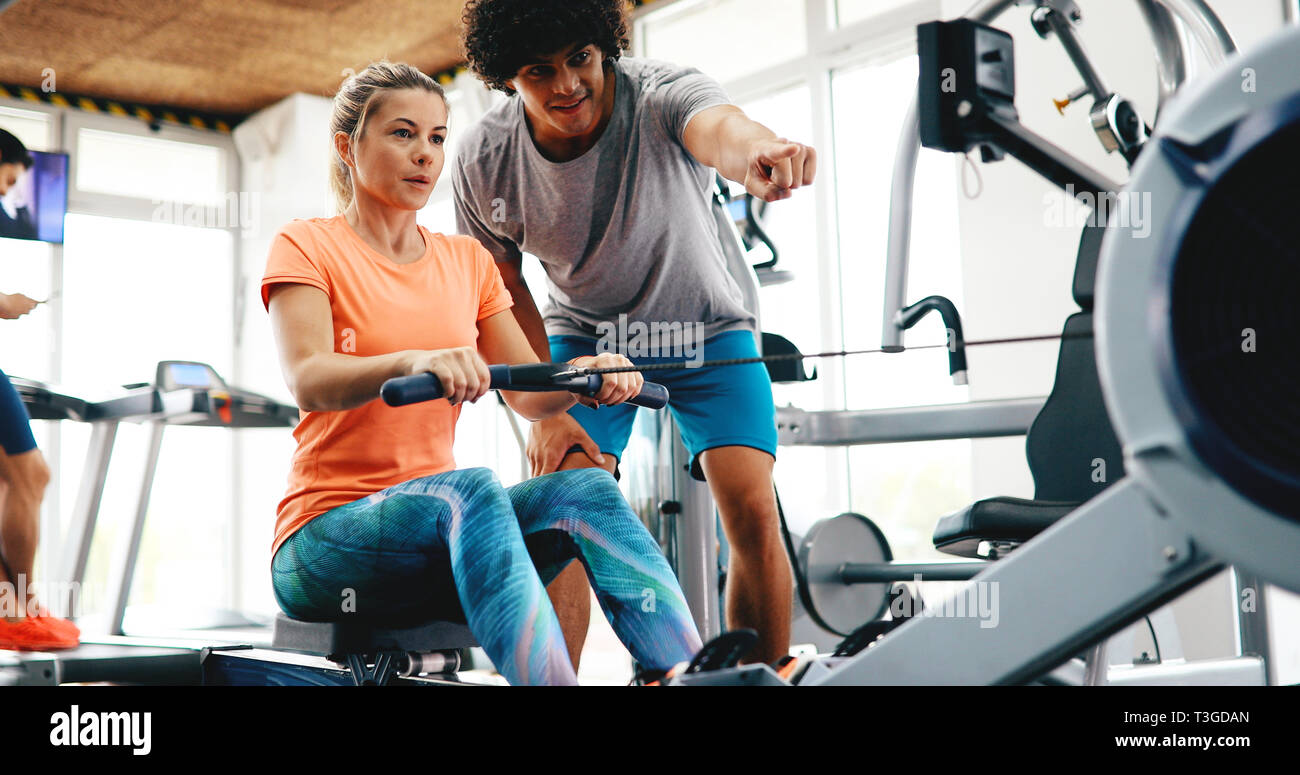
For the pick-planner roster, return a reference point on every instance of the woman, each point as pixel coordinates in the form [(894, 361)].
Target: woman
[(377, 523)]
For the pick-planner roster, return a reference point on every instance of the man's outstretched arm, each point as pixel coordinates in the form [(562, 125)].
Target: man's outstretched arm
[(770, 167)]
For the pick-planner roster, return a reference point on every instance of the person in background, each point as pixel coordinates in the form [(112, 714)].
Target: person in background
[(15, 161), (24, 623)]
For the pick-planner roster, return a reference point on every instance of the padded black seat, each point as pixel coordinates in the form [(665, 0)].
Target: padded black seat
[(359, 636), (997, 520), (1072, 449)]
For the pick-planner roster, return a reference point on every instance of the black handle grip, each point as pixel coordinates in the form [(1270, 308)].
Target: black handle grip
[(401, 391)]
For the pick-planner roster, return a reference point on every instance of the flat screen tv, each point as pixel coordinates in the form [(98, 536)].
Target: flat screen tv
[(34, 208)]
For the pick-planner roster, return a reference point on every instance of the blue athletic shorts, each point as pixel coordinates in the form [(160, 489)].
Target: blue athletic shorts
[(714, 407), (15, 426)]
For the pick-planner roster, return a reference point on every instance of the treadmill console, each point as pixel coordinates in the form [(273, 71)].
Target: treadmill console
[(179, 375)]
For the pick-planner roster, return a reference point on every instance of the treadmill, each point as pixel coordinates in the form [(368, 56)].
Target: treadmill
[(92, 661), (182, 393)]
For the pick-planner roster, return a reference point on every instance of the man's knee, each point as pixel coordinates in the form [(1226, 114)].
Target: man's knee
[(750, 519)]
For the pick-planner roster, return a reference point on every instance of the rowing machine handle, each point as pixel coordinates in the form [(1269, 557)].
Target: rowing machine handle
[(400, 391)]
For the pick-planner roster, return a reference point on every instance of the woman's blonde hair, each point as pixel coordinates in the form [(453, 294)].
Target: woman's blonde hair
[(356, 99)]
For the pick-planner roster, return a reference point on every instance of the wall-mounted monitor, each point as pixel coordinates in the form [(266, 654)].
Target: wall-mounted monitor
[(35, 206)]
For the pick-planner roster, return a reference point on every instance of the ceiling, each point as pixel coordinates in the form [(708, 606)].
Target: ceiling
[(226, 57)]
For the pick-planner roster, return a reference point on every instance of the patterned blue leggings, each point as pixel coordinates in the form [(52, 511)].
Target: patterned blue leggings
[(459, 545)]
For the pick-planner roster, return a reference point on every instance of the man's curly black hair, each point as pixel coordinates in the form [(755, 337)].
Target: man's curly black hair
[(502, 36)]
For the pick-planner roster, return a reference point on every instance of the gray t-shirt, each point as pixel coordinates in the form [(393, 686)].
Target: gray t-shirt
[(624, 229)]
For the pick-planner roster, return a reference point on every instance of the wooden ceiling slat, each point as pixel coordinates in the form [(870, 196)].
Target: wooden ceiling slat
[(219, 56)]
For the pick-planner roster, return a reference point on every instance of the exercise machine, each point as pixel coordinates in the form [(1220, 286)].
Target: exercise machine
[(97, 659), (1211, 480), (365, 652)]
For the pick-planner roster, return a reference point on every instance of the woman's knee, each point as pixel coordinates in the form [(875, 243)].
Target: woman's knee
[(591, 495)]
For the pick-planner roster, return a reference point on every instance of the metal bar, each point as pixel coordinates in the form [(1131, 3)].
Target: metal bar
[(1252, 625), (900, 229), (85, 512), (524, 467), (1097, 665), (883, 572), (1117, 546), (1064, 30), (1206, 28), (975, 420), (1171, 59), (125, 573), (696, 533), (1048, 159), (52, 511)]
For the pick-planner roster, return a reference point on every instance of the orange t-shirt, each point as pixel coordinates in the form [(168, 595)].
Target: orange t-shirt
[(378, 307)]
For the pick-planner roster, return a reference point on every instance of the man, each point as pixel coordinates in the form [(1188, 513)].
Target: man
[(15, 161), (600, 166), (24, 622)]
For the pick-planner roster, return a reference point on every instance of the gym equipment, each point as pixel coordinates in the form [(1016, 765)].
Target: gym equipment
[(746, 213), (363, 652), (529, 377), (183, 393), (98, 658), (344, 653), (1210, 480), (991, 80)]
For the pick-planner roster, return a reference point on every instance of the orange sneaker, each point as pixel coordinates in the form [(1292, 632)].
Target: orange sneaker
[(58, 624), (38, 633)]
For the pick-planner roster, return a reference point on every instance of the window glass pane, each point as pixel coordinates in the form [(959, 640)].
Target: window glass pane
[(26, 342), (27, 125), (136, 293), (145, 167), (693, 33), (811, 479), (904, 488), (850, 11), (792, 309), (869, 103)]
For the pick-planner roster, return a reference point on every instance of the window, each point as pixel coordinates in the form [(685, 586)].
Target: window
[(25, 268), (849, 11), (136, 293), (792, 309), (869, 103), (701, 34), (145, 168), (32, 128), (27, 341)]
